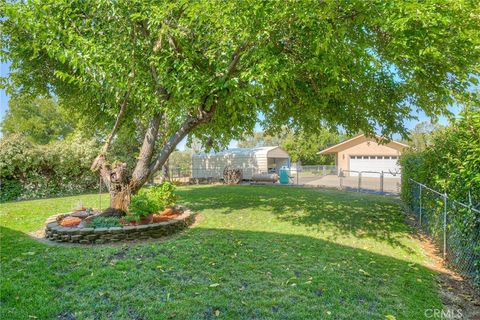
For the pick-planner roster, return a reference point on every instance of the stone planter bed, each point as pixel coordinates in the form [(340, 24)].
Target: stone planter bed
[(55, 232)]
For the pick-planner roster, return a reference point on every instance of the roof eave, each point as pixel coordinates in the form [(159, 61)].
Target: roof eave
[(338, 147)]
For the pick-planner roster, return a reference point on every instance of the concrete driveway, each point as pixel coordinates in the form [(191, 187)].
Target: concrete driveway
[(390, 185)]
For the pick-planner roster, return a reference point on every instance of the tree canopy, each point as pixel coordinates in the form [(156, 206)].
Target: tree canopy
[(40, 120), (210, 68)]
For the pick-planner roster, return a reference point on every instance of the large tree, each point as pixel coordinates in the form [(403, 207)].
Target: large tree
[(209, 68)]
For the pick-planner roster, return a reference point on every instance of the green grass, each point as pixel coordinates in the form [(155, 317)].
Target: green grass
[(258, 253)]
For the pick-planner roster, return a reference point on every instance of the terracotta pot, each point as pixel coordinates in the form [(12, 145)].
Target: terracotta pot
[(169, 210), (161, 218), (70, 222)]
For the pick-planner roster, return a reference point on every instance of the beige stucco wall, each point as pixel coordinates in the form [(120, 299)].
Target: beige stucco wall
[(367, 147)]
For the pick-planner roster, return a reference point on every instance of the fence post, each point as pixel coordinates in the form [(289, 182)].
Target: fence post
[(359, 181), (297, 172), (445, 227), (341, 179), (100, 194), (381, 182), (420, 200)]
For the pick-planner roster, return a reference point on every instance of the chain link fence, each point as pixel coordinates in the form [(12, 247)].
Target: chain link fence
[(319, 176), (453, 226)]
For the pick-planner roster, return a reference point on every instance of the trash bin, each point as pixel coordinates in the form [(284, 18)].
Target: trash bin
[(283, 175)]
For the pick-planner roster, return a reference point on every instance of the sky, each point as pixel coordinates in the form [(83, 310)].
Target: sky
[(3, 95), (410, 124)]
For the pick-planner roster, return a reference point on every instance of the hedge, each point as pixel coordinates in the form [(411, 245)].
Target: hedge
[(29, 170), (451, 165)]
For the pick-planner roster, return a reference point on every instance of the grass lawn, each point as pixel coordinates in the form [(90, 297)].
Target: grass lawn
[(258, 253)]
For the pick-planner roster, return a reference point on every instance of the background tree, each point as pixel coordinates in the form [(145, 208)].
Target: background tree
[(208, 68), (303, 147), (181, 161), (40, 120), (261, 139), (421, 136)]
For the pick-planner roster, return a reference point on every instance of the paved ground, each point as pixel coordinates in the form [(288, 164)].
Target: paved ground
[(390, 185)]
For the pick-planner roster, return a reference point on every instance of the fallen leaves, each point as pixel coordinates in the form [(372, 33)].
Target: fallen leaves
[(365, 273)]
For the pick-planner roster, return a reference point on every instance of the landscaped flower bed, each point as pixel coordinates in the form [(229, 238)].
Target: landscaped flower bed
[(151, 214), (87, 233)]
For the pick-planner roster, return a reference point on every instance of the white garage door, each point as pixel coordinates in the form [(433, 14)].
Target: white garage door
[(388, 164)]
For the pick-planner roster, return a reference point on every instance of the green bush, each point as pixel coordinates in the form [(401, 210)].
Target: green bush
[(29, 170), (164, 193), (10, 190), (451, 164), (152, 199), (104, 222), (142, 204)]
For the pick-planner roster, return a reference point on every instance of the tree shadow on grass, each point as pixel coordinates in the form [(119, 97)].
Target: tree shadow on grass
[(210, 273), (335, 213)]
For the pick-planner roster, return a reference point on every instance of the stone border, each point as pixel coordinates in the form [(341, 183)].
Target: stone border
[(57, 233)]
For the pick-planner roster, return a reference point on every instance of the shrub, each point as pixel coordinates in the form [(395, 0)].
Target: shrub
[(142, 204), (164, 193), (10, 190), (104, 222), (152, 199), (451, 164), (29, 170)]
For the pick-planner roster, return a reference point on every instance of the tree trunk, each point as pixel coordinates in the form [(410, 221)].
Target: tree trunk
[(119, 201), (119, 185)]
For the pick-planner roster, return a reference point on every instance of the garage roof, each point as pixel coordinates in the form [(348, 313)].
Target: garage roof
[(359, 139)]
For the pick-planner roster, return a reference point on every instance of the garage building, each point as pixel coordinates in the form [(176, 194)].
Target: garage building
[(364, 154), (250, 160)]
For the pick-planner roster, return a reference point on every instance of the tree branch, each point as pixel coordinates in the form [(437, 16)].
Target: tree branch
[(146, 151), (98, 162), (235, 58), (160, 91), (178, 136)]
